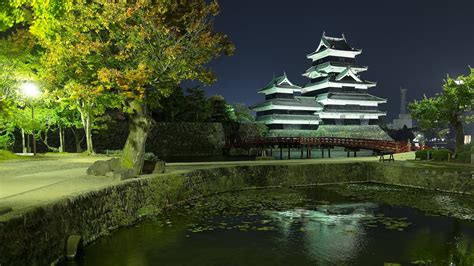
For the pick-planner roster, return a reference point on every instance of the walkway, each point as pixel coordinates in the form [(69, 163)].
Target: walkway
[(34, 181)]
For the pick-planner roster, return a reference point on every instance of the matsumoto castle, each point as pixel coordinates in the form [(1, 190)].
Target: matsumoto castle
[(335, 99)]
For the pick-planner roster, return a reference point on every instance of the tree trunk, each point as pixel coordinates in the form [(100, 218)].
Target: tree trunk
[(23, 141), (77, 141), (87, 124), (45, 141), (28, 143), (459, 131), (61, 138), (140, 126), (90, 146)]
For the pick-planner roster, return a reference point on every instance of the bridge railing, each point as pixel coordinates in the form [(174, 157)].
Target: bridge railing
[(378, 145)]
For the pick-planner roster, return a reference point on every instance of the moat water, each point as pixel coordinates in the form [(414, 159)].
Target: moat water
[(337, 225)]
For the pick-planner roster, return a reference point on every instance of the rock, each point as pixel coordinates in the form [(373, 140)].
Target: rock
[(148, 167), (73, 246), (123, 174), (99, 168), (160, 167), (114, 164)]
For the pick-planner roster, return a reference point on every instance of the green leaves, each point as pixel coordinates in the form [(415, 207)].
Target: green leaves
[(12, 12), (452, 106), (453, 103)]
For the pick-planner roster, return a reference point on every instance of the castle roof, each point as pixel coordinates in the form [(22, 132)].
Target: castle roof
[(280, 82), (298, 101), (334, 43)]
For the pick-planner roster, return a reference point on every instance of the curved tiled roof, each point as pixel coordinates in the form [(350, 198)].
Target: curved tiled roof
[(288, 117), (337, 43), (299, 101), (280, 82), (353, 96), (333, 79)]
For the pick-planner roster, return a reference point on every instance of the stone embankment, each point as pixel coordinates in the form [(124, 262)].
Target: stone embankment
[(38, 236)]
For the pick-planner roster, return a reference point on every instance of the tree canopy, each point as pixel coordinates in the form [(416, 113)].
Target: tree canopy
[(119, 54), (453, 105)]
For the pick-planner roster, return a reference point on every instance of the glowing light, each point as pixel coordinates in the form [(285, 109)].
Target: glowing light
[(30, 90)]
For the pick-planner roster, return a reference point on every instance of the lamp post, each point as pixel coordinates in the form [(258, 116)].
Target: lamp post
[(31, 91)]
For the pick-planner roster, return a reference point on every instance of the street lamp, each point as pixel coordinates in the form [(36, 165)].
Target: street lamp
[(31, 91)]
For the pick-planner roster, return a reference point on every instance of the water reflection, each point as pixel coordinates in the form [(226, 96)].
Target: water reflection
[(332, 233)]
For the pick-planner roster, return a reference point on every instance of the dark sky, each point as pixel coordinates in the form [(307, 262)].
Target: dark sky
[(413, 43)]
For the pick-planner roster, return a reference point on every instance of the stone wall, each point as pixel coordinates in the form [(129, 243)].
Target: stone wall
[(186, 139), (458, 179), (38, 236)]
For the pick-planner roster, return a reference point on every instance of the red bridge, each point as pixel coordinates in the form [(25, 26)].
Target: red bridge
[(308, 143)]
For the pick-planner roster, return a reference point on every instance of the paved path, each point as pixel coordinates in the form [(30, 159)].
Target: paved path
[(31, 182), (34, 181)]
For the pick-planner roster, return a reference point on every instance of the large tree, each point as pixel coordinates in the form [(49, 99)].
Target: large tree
[(156, 46), (453, 105)]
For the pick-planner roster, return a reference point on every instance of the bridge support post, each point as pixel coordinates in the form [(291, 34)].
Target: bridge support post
[(271, 151), (348, 154), (301, 149), (355, 153), (281, 152), (322, 152), (329, 153), (289, 148)]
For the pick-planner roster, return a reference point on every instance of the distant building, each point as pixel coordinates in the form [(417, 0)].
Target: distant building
[(335, 101), (336, 84), (404, 118), (284, 109)]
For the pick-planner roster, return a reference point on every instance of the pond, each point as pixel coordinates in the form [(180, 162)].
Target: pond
[(331, 225)]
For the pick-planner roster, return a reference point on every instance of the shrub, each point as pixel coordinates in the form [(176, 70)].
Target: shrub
[(464, 157), (440, 155), (150, 156), (422, 155), (6, 141)]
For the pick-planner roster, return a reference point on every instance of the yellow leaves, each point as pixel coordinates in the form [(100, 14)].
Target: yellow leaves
[(130, 82), (214, 8), (104, 75), (129, 12), (172, 52), (126, 48)]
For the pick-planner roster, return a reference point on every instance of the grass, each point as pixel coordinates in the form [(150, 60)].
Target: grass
[(7, 155), (452, 165)]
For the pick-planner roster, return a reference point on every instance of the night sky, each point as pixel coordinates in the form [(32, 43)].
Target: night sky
[(413, 43)]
